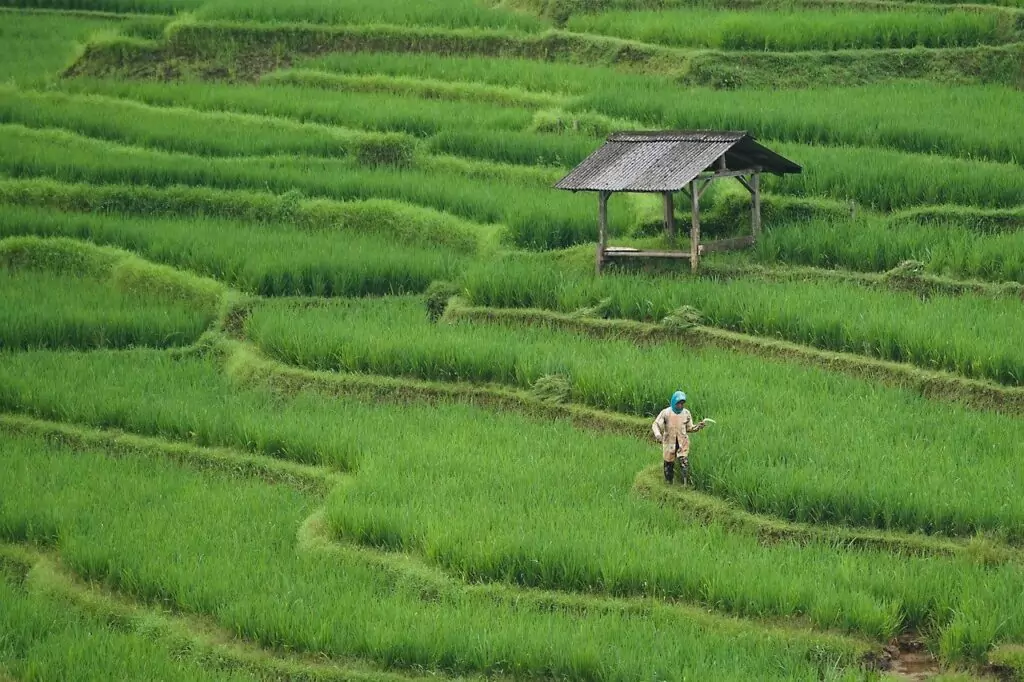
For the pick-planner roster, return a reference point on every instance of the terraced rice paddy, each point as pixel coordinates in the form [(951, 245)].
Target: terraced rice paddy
[(305, 373)]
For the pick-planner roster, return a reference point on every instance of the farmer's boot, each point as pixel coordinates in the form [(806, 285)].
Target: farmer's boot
[(670, 470), (684, 470)]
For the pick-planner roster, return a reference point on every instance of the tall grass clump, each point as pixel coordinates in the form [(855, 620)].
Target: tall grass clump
[(973, 121), (508, 72), (888, 180), (613, 374), (534, 149), (537, 218), (63, 293), (365, 111), (46, 638), (51, 311), (117, 6), (977, 331), (568, 8), (800, 28), (443, 13), (188, 399), (419, 87), (268, 259), (192, 132), (594, 535), (876, 244), (981, 220), (399, 223), (238, 564), (38, 46)]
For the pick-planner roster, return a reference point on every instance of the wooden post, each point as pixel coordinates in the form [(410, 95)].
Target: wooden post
[(602, 228), (670, 218), (755, 204), (695, 228)]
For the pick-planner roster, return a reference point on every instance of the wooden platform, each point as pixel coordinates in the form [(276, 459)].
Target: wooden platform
[(629, 252), (612, 252)]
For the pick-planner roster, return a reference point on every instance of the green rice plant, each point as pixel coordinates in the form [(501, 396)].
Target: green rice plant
[(974, 121), (52, 311), (116, 300), (118, 6), (582, 529), (352, 336), (418, 87), (462, 58), (238, 564), (185, 130), (876, 244), (578, 123), (37, 47), (881, 178), (445, 13), (244, 51), (477, 169), (561, 10), (120, 268), (534, 149), (268, 259), (801, 28), (217, 415), (730, 69), (46, 638), (976, 339), (507, 72), (981, 220), (887, 180), (536, 218), (398, 223), (305, 104)]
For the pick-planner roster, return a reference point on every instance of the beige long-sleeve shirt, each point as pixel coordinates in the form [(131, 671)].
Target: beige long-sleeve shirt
[(673, 431)]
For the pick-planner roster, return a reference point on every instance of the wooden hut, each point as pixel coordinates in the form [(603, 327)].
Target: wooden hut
[(675, 161)]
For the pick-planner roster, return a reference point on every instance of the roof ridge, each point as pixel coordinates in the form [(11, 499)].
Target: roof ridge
[(680, 135)]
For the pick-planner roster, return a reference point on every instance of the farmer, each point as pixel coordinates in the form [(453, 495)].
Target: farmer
[(672, 429)]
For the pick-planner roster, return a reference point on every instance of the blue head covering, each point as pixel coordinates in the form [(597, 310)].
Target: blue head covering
[(677, 398)]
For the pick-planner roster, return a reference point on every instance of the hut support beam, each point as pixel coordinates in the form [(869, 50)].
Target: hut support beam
[(695, 227), (755, 204), (602, 228), (670, 218)]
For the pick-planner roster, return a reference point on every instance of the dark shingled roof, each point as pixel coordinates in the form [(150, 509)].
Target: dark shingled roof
[(665, 161)]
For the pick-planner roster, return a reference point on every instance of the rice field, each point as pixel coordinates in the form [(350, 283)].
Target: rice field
[(45, 639), (962, 121), (444, 13), (36, 47), (343, 602), (243, 439), (800, 28), (876, 245), (269, 260), (624, 546), (47, 310), (374, 111), (352, 337), (176, 130), (976, 331)]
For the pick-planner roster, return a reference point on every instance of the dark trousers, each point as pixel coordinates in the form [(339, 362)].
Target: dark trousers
[(684, 469)]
